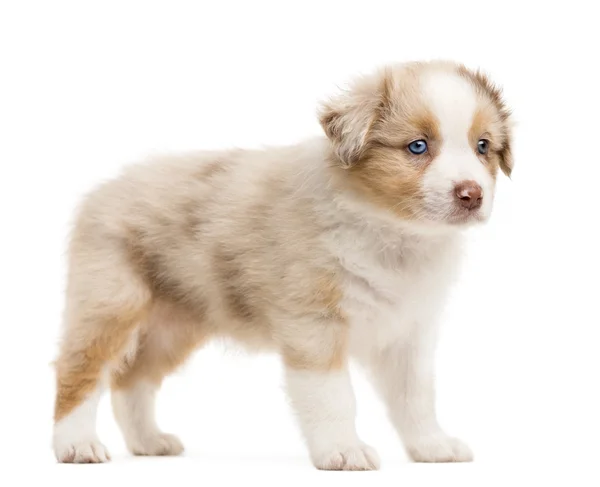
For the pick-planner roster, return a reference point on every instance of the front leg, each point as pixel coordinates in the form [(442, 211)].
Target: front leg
[(319, 388), (404, 375)]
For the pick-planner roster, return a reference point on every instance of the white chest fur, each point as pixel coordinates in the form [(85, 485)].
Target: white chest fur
[(391, 289)]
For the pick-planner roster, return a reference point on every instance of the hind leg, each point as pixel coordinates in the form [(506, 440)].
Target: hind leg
[(167, 340), (104, 306)]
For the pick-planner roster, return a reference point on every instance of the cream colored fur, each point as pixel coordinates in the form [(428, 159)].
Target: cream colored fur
[(334, 249)]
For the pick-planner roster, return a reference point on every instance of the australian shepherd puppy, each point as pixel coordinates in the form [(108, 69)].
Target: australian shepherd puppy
[(340, 247)]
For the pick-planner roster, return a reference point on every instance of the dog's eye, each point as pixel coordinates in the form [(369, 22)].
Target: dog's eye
[(483, 146), (418, 147)]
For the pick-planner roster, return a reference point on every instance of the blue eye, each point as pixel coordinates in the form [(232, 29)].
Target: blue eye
[(483, 146), (418, 147)]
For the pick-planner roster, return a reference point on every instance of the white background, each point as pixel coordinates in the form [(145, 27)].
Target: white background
[(87, 87)]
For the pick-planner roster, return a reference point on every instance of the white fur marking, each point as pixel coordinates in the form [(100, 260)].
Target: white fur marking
[(75, 439), (134, 411), (453, 101), (325, 404)]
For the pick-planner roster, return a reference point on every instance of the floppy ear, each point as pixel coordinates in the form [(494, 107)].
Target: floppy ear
[(347, 118), (506, 158), (505, 154)]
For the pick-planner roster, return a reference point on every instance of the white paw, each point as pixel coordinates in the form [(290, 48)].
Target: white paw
[(439, 448), (160, 444), (354, 457), (91, 451)]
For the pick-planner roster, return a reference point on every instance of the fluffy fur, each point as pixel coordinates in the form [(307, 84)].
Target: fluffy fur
[(339, 247)]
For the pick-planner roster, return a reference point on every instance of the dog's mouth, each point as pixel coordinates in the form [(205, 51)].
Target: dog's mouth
[(461, 216)]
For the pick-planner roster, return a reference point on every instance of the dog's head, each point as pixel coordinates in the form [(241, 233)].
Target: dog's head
[(422, 140)]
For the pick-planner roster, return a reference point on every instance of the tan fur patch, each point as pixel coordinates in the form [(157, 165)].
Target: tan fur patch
[(235, 286), (485, 126), (153, 267), (169, 337), (211, 169), (321, 342), (388, 174), (328, 296), (486, 88), (192, 220), (324, 348), (80, 364), (389, 179)]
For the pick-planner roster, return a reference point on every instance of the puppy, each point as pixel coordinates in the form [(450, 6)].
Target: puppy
[(339, 247)]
